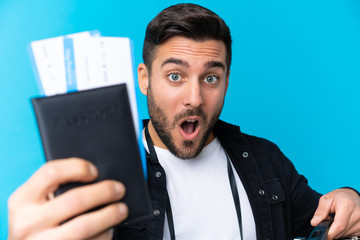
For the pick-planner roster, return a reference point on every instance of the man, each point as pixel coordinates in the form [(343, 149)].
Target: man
[(219, 182)]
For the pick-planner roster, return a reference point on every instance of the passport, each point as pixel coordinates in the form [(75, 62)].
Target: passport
[(96, 125)]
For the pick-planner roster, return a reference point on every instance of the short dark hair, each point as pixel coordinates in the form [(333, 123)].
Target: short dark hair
[(187, 20)]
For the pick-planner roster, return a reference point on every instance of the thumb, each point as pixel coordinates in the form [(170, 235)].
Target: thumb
[(322, 211)]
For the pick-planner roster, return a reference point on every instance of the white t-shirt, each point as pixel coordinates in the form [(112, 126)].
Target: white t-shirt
[(201, 199)]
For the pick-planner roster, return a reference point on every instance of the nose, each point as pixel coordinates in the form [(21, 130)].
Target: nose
[(193, 94)]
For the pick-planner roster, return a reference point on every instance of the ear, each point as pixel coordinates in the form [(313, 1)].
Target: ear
[(143, 78)]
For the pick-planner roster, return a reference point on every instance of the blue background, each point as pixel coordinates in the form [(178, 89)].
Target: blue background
[(295, 77)]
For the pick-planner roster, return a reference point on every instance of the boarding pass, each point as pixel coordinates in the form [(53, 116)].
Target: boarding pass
[(82, 61)]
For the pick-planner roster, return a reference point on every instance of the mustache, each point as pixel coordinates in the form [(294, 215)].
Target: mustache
[(191, 112)]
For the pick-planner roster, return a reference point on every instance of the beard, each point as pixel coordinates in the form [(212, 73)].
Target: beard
[(163, 127)]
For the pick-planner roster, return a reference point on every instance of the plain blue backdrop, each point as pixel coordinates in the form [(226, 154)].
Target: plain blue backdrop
[(294, 79)]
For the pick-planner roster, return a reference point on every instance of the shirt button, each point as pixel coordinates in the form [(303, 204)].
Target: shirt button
[(274, 197), (158, 174), (156, 212), (261, 192), (245, 154)]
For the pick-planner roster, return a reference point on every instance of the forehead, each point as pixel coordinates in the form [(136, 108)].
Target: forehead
[(191, 49)]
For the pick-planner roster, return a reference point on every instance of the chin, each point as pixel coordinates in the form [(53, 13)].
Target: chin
[(187, 149)]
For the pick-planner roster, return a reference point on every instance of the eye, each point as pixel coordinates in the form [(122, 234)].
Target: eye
[(174, 77), (211, 79)]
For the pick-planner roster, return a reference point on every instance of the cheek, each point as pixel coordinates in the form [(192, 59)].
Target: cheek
[(169, 96), (214, 101), (167, 99)]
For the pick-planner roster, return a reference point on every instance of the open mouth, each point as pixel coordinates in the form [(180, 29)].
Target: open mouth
[(189, 126), (190, 129)]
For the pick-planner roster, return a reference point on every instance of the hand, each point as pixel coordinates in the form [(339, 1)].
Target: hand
[(32, 215), (345, 203)]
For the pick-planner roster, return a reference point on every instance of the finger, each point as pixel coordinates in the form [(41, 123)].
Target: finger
[(107, 235), (51, 175), (347, 219), (340, 222), (53, 234), (322, 211), (82, 199), (94, 223), (352, 229)]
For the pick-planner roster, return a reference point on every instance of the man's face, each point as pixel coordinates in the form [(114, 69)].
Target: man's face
[(185, 93)]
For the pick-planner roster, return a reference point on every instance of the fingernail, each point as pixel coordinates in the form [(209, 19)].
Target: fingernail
[(93, 170), (123, 208), (119, 187)]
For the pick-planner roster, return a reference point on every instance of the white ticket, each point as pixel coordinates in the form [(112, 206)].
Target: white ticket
[(48, 57), (85, 61)]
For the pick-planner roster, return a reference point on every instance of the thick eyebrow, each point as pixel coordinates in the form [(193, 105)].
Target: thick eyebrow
[(175, 61), (213, 64), (210, 64)]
